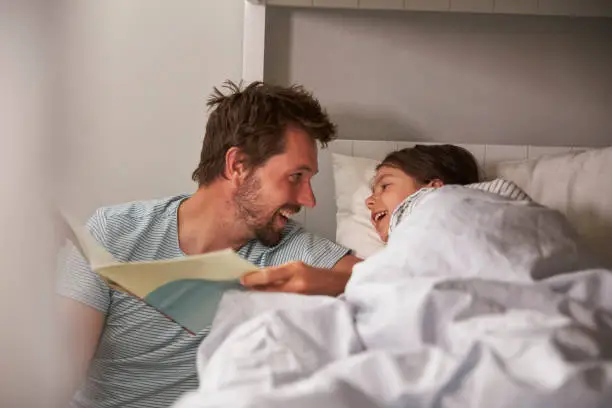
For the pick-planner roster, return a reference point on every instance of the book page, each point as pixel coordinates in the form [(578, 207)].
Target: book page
[(142, 278), (94, 253)]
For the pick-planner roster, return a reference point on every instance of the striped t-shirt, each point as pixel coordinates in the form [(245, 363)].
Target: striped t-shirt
[(144, 359)]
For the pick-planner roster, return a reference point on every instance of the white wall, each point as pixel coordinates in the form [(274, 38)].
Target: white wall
[(448, 77), (136, 77)]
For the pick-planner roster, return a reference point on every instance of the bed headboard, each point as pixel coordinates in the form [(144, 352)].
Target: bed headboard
[(321, 220)]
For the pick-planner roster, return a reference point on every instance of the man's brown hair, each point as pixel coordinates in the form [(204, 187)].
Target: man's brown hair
[(255, 119), (449, 163)]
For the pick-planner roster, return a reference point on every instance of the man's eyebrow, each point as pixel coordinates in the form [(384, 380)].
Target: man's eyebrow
[(307, 168)]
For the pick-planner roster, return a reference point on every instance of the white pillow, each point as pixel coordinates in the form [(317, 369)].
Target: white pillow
[(577, 184), (352, 178)]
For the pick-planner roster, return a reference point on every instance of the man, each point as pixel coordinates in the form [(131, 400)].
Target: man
[(258, 157)]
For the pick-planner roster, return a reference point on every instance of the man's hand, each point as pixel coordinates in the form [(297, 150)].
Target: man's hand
[(297, 277)]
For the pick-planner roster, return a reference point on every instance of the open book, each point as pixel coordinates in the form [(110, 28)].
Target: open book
[(187, 290)]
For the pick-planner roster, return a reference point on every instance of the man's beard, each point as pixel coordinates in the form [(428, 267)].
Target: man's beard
[(251, 209)]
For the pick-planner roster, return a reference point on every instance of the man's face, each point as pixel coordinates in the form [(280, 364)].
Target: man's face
[(279, 188)]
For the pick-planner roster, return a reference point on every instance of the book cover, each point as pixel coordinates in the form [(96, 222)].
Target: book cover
[(187, 290)]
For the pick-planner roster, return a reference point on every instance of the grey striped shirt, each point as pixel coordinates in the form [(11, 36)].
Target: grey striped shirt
[(144, 359)]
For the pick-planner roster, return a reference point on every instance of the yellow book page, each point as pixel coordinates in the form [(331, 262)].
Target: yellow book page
[(142, 278), (94, 253)]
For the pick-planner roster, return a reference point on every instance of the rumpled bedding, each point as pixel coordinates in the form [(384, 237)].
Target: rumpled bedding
[(477, 301)]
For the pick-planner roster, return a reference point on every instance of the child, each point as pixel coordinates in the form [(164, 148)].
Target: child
[(404, 172), (405, 175)]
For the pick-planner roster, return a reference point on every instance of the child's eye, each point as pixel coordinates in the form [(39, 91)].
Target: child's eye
[(384, 187)]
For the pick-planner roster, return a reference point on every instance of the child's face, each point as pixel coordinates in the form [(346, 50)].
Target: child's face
[(390, 187)]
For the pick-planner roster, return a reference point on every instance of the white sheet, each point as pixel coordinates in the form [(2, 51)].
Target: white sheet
[(477, 301)]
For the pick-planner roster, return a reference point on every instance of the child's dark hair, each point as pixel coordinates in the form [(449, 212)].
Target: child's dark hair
[(449, 163)]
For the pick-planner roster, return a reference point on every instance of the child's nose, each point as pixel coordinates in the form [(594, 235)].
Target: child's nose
[(370, 201)]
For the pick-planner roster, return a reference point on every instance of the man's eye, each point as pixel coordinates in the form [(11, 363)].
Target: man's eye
[(295, 178)]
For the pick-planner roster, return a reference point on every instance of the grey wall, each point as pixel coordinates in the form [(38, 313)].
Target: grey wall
[(136, 76), (450, 77)]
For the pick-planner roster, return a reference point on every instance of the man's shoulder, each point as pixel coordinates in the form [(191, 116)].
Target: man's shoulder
[(111, 222), (298, 244), (141, 210), (138, 212), (295, 236)]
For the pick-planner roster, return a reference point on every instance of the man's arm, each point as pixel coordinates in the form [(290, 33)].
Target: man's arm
[(83, 300), (298, 277), (81, 327), (345, 264), (320, 267)]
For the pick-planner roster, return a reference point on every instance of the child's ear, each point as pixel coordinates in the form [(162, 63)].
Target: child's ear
[(436, 183)]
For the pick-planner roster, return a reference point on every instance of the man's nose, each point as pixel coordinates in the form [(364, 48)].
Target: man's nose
[(307, 197)]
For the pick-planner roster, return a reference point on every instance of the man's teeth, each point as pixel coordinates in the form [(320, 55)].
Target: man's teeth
[(286, 213)]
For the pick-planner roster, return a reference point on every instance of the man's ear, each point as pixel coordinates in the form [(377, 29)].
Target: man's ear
[(235, 164), (436, 183)]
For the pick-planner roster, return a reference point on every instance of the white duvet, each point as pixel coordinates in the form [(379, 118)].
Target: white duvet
[(477, 301)]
